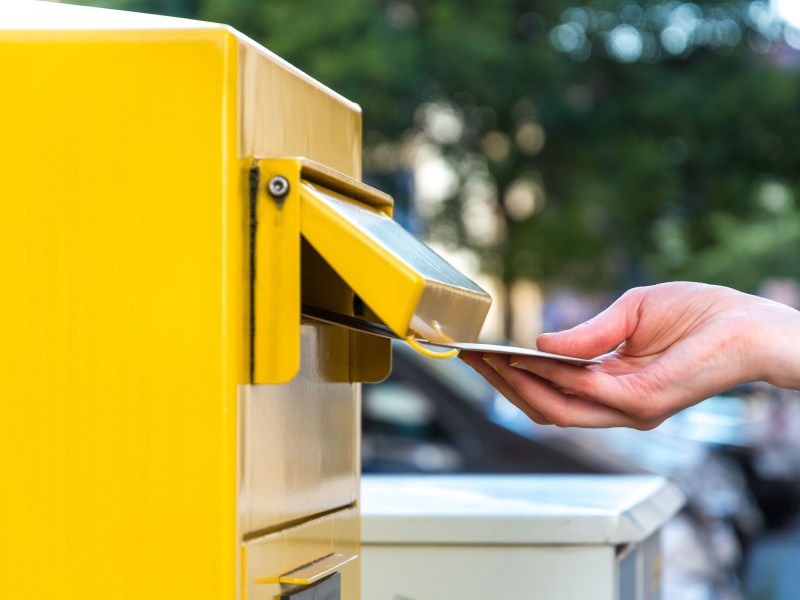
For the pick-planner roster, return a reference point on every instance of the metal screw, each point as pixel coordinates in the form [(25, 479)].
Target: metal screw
[(278, 187)]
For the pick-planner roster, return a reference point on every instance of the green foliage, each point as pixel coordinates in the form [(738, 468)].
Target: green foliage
[(656, 155), (172, 8), (348, 45)]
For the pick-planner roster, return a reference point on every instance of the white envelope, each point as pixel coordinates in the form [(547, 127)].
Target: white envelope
[(494, 348)]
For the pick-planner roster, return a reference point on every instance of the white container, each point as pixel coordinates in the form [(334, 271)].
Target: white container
[(543, 537)]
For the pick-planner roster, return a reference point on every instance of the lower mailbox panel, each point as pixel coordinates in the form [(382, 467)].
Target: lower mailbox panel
[(300, 439), (280, 554)]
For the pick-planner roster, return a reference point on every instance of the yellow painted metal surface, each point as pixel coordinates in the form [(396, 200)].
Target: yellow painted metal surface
[(145, 456), (276, 273), (426, 351), (124, 223), (123, 314), (412, 289), (395, 277), (276, 236), (382, 279)]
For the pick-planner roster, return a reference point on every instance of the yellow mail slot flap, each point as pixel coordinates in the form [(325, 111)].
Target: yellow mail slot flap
[(413, 290), (331, 236)]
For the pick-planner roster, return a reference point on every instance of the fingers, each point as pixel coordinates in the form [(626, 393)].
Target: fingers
[(599, 334), (566, 409), (626, 387), (582, 381), (544, 403), (490, 373)]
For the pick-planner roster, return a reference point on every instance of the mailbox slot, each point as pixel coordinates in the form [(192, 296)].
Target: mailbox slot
[(329, 588), (292, 560), (359, 258)]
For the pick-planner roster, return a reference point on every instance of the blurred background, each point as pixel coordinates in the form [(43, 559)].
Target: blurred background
[(561, 152)]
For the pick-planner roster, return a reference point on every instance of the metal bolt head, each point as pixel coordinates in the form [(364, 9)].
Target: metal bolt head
[(278, 187)]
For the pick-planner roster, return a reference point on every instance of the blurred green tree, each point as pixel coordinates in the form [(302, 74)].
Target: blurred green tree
[(597, 145)]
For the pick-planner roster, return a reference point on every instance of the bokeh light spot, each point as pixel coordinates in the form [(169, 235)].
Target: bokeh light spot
[(496, 146), (530, 137), (788, 10), (625, 43), (568, 37)]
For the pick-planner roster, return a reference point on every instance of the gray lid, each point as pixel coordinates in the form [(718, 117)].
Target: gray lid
[(515, 509)]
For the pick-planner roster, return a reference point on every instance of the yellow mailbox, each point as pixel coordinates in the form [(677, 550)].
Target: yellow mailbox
[(172, 426)]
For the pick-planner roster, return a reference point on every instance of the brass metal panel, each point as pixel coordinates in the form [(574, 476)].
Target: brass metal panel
[(287, 113), (370, 356), (282, 553), (300, 439)]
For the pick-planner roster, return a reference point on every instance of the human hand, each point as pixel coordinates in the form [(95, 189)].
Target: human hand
[(662, 348)]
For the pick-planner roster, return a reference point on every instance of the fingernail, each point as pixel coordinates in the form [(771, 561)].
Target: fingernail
[(490, 362), (518, 365)]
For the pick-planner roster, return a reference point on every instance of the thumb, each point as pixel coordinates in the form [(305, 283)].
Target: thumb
[(597, 335)]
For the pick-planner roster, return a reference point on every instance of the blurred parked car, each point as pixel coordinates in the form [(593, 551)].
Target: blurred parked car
[(435, 416), (756, 427)]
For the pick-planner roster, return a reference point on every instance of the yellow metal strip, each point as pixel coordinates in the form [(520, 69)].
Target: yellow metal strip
[(411, 341), (352, 188), (244, 573), (275, 273)]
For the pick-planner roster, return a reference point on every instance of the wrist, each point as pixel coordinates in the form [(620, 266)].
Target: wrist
[(777, 344)]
